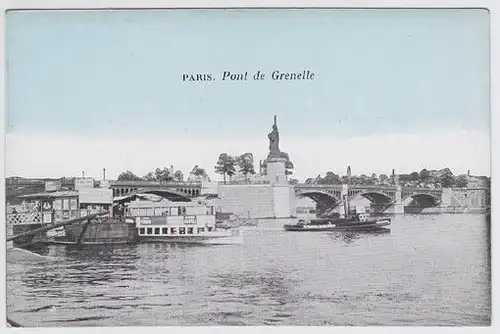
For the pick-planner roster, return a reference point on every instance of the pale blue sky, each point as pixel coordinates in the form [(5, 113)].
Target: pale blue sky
[(377, 71)]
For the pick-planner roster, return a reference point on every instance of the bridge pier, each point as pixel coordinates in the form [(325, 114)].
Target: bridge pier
[(344, 192), (395, 209)]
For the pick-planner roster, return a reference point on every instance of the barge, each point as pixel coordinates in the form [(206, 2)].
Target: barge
[(178, 221)]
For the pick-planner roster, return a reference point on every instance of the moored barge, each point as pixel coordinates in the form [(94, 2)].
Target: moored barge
[(178, 221)]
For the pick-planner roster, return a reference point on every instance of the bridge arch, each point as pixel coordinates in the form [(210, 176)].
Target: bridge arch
[(319, 196), (325, 200), (376, 197), (167, 193), (421, 200)]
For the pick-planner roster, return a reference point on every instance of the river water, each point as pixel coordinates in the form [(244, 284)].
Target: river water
[(429, 270)]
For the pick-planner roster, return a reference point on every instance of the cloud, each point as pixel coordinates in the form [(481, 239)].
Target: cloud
[(37, 155)]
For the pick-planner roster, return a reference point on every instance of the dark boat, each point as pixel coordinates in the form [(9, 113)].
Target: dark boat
[(353, 221)]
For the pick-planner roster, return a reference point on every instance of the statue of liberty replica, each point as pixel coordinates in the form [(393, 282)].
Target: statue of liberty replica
[(277, 165), (274, 141)]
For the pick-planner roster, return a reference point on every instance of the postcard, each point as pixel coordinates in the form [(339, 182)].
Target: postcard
[(248, 167)]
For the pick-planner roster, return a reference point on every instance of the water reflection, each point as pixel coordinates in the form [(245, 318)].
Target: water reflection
[(82, 266), (350, 237), (270, 291)]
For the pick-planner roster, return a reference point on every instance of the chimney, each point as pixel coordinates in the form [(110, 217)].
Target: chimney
[(83, 174), (104, 173)]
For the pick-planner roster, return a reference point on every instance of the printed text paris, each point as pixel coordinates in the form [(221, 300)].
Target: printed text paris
[(245, 76)]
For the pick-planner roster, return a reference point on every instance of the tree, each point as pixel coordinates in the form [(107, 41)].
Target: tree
[(128, 176), (225, 165), (405, 177), (159, 175), (197, 171), (178, 176), (447, 180), (149, 177), (330, 178), (415, 176), (462, 181), (245, 164), (424, 174), (163, 174), (293, 181), (383, 177), (288, 168), (446, 171), (288, 164)]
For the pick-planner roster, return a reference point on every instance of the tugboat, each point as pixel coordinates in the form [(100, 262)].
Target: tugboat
[(352, 221)]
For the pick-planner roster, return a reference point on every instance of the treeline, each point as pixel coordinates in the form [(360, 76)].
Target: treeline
[(159, 174), (226, 165), (443, 178)]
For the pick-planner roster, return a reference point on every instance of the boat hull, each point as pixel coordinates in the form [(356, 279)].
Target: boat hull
[(352, 226), (205, 240), (90, 242)]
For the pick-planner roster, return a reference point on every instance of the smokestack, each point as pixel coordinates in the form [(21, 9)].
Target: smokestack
[(104, 173), (83, 174), (346, 205)]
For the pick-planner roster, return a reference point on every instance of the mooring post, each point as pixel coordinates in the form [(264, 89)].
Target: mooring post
[(84, 229)]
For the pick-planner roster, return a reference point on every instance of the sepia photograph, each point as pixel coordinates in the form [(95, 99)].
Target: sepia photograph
[(248, 167)]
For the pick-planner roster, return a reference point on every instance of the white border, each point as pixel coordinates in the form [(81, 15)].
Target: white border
[(492, 5)]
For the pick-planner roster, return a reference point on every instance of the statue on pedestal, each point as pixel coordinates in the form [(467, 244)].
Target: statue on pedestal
[(274, 151), (274, 141)]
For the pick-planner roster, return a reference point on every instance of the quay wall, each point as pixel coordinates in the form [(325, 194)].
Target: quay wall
[(257, 200), (247, 200)]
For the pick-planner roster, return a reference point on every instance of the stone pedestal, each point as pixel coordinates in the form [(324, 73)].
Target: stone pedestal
[(446, 197), (276, 171), (258, 200), (398, 207)]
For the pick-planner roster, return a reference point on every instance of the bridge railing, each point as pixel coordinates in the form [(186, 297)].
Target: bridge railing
[(421, 189), (142, 183), (350, 186), (243, 182), (305, 185), (369, 186)]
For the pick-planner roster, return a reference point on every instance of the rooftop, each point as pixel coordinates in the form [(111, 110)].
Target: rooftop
[(51, 194)]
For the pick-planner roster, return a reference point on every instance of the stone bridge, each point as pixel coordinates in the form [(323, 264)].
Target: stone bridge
[(382, 198), (123, 188)]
